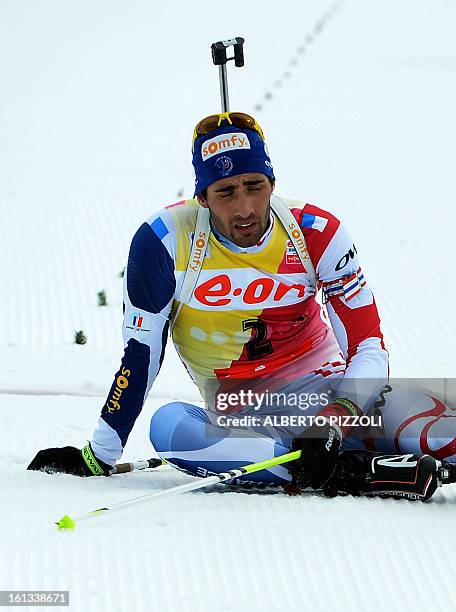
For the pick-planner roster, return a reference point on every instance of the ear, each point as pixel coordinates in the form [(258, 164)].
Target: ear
[(272, 186), (202, 202)]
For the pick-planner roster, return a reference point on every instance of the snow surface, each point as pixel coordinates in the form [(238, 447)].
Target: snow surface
[(98, 102)]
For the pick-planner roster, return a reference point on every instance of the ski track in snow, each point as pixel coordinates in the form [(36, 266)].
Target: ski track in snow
[(97, 109)]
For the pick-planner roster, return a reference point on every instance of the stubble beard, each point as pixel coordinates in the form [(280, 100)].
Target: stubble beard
[(240, 237)]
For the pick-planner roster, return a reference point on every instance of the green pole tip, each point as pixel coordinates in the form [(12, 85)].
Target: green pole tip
[(66, 522)]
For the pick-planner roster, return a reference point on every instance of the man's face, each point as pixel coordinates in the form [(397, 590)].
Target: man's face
[(239, 207)]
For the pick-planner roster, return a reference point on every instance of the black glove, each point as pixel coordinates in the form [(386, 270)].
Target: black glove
[(69, 460), (319, 452)]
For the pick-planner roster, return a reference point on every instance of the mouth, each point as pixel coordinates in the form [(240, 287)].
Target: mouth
[(245, 228)]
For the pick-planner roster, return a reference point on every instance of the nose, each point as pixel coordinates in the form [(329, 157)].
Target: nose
[(243, 207)]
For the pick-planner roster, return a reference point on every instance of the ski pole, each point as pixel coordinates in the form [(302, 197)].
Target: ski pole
[(66, 522), (142, 464), (220, 59)]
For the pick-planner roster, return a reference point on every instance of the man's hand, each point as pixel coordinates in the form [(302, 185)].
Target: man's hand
[(69, 460), (320, 446), (319, 452)]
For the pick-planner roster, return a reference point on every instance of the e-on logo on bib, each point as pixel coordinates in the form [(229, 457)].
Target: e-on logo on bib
[(218, 291), (223, 144)]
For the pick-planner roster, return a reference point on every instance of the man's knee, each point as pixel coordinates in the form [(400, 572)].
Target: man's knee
[(166, 420)]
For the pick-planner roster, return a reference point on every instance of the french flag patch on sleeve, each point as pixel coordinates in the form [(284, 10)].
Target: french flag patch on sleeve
[(159, 228), (313, 222), (353, 284), (348, 286)]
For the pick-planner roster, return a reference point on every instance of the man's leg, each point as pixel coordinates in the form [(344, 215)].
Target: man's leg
[(413, 421), (183, 435)]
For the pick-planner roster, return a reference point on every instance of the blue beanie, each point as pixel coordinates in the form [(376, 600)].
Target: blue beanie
[(229, 151)]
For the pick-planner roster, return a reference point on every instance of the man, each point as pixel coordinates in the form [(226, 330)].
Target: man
[(234, 274)]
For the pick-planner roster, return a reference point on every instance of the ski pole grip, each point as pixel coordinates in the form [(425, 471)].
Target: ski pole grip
[(239, 52), (219, 51)]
